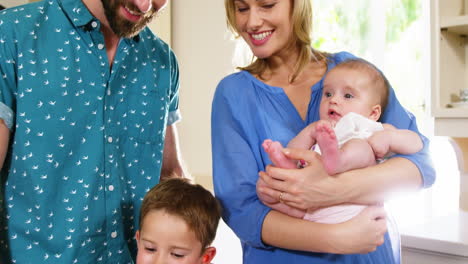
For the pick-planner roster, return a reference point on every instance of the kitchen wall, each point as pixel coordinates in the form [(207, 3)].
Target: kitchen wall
[(10, 3), (204, 50)]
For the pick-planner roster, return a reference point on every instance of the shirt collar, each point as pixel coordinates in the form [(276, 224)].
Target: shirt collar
[(80, 16), (77, 12)]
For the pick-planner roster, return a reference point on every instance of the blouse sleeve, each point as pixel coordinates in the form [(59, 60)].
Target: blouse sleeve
[(396, 115), (235, 167)]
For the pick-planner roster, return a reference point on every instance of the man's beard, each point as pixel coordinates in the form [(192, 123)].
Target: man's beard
[(121, 26)]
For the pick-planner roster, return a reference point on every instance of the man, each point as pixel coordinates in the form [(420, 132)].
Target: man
[(88, 102)]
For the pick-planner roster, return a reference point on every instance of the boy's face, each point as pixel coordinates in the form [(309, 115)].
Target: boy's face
[(166, 239), (348, 90)]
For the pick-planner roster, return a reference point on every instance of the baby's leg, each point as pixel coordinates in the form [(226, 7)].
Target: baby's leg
[(328, 143), (274, 150), (354, 154)]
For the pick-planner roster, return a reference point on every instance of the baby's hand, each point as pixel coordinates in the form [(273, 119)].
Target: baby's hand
[(380, 143)]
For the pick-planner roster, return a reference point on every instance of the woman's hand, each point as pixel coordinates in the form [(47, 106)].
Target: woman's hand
[(276, 204), (307, 188), (265, 198), (361, 234)]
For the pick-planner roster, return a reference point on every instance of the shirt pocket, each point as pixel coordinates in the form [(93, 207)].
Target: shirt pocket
[(146, 116), (142, 116)]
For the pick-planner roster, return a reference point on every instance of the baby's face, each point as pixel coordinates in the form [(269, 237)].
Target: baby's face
[(166, 238), (346, 90)]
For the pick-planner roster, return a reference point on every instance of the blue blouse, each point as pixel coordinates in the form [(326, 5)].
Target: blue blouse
[(87, 139), (247, 111)]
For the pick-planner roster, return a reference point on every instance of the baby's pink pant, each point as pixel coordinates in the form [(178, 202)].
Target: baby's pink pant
[(334, 214)]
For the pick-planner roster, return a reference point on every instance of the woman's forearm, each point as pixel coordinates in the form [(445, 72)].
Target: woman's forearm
[(361, 234), (373, 185), (283, 231)]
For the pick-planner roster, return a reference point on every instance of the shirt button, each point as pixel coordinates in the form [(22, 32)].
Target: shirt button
[(111, 188), (100, 46), (109, 139), (94, 24), (114, 234)]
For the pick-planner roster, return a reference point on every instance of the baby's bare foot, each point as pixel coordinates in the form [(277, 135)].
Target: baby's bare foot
[(275, 152), (326, 139)]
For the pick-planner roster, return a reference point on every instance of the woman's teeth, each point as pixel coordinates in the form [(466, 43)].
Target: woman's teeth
[(261, 35)]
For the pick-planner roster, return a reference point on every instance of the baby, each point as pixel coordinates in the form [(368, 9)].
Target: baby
[(347, 134)]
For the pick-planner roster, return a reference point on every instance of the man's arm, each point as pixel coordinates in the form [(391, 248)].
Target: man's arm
[(172, 162), (4, 138)]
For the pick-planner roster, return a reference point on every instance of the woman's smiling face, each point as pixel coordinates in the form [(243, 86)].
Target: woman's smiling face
[(265, 25)]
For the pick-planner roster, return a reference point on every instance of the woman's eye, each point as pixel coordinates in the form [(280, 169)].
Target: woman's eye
[(268, 6), (241, 9), (348, 96)]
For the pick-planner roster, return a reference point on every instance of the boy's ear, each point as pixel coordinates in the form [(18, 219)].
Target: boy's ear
[(376, 112), (137, 236), (208, 255)]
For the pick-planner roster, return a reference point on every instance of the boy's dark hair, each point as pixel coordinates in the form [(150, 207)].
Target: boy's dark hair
[(377, 78), (2, 7), (194, 204)]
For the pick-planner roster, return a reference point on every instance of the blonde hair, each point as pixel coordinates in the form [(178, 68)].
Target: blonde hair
[(194, 204), (301, 16)]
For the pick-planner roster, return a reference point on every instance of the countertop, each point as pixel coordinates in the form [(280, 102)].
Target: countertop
[(446, 234)]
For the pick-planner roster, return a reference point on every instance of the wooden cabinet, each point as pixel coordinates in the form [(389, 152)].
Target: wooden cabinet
[(449, 66)]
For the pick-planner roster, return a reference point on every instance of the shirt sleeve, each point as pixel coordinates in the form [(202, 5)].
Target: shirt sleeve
[(174, 112), (396, 115), (235, 168), (7, 79)]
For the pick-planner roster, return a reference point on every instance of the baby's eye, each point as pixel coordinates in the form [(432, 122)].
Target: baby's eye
[(328, 94), (348, 96)]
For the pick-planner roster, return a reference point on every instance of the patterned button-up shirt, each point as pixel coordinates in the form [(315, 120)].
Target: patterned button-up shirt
[(87, 138)]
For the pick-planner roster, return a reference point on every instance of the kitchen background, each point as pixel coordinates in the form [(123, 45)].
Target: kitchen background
[(417, 44)]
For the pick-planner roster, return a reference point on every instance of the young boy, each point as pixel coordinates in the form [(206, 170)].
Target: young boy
[(178, 222), (348, 134)]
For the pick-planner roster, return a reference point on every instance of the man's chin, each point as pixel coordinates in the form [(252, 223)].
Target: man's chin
[(126, 30)]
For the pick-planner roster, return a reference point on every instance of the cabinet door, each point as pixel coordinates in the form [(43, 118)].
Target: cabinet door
[(449, 67)]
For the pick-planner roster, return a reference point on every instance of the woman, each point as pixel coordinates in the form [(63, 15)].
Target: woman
[(276, 97)]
